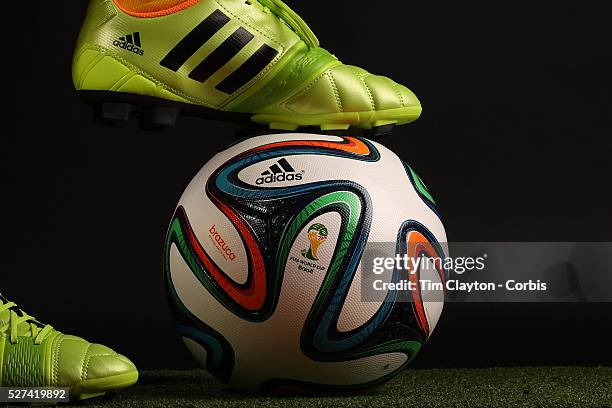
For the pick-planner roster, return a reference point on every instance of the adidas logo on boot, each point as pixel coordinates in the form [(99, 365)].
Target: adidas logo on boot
[(130, 42)]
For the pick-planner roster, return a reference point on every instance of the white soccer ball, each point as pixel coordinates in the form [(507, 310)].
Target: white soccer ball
[(263, 263)]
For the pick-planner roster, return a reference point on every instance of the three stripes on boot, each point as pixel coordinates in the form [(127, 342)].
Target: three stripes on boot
[(200, 35)]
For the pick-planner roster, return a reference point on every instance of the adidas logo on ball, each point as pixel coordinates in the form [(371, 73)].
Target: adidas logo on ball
[(130, 42), (278, 173)]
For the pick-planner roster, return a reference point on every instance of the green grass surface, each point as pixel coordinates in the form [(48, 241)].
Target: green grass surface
[(493, 387)]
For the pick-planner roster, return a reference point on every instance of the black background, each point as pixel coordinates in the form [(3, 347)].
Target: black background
[(515, 143)]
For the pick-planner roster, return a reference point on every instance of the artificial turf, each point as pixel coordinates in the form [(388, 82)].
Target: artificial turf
[(488, 387)]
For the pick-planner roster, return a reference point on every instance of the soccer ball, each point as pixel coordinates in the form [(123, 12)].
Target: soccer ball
[(263, 256)]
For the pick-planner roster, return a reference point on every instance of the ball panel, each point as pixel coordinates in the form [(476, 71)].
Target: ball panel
[(220, 355), (219, 238), (417, 242), (396, 200), (200, 301), (199, 352), (245, 300)]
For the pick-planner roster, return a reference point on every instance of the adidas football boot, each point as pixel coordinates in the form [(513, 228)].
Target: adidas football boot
[(33, 354), (235, 60)]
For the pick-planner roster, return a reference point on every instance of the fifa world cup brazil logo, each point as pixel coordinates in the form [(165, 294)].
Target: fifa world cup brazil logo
[(317, 234)]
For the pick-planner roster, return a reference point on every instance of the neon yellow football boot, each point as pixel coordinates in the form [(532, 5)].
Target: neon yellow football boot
[(33, 354), (235, 60)]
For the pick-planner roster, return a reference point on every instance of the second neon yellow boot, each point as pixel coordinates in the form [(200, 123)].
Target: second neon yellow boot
[(33, 354)]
